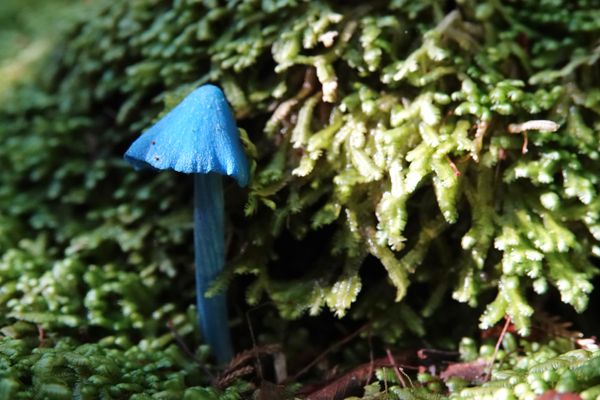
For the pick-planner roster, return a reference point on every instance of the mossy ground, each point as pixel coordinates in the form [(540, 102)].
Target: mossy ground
[(398, 189)]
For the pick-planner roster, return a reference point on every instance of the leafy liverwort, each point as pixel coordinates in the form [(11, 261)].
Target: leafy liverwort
[(199, 136)]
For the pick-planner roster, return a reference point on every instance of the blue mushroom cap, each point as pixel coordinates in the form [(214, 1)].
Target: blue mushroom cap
[(198, 136)]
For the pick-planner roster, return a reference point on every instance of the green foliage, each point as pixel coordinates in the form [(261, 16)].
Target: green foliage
[(537, 368), (109, 369), (28, 28), (393, 136), (25, 21), (431, 119), (523, 370)]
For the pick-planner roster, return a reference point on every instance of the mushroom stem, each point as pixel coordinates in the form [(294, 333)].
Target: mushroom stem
[(209, 248)]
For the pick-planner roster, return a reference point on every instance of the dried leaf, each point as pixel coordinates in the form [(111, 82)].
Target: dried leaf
[(473, 371), (352, 382)]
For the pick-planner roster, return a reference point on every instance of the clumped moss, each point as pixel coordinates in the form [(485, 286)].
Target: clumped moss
[(521, 369), (113, 368), (392, 136)]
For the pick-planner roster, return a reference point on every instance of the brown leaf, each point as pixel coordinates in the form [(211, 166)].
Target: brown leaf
[(554, 395), (244, 364), (352, 382), (343, 386), (473, 371), (251, 354), (226, 380)]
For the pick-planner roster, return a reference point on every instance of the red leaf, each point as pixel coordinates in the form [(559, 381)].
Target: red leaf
[(554, 395)]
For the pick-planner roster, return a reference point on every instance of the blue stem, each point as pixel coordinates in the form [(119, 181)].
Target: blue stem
[(210, 259)]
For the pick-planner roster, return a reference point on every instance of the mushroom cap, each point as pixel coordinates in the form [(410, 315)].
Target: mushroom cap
[(198, 136)]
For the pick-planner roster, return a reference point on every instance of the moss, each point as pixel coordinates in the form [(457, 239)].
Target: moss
[(393, 136)]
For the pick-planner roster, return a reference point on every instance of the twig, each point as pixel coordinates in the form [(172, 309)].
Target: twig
[(259, 371), (371, 359), (399, 371), (187, 351), (453, 166), (525, 143), (396, 370), (327, 351), (180, 341), (498, 343), (423, 353)]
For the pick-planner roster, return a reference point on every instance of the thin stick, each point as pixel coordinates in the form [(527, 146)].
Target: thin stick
[(396, 368), (498, 343), (186, 350), (453, 166), (327, 351), (255, 348), (525, 143), (371, 362), (259, 371), (422, 353)]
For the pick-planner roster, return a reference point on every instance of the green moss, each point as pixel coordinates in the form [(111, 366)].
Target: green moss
[(381, 141), (112, 369)]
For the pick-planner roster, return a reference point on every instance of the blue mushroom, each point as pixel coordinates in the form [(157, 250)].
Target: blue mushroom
[(199, 136)]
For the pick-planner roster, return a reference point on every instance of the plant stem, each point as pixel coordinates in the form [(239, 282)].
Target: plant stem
[(210, 259)]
